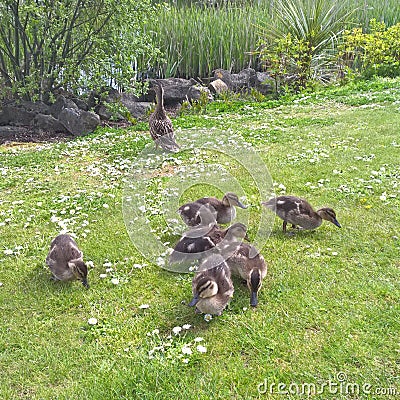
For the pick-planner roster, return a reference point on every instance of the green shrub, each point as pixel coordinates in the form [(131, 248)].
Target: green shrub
[(373, 53), (302, 41)]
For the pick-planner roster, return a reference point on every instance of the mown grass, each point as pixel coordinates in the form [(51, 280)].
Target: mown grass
[(329, 304)]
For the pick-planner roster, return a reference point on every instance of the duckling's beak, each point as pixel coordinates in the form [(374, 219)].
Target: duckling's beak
[(241, 205), (194, 301), (253, 299), (85, 283), (335, 221)]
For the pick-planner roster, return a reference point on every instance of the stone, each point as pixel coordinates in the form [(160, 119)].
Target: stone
[(264, 83), (218, 86), (139, 109), (245, 79), (61, 103), (225, 76), (175, 90), (102, 111), (195, 92), (47, 123), (12, 133), (81, 104), (79, 122), (15, 114), (38, 107)]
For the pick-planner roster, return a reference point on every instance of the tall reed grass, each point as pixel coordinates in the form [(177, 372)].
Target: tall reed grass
[(197, 37), (196, 40)]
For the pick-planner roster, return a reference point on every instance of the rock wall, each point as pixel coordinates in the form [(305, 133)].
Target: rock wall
[(71, 115)]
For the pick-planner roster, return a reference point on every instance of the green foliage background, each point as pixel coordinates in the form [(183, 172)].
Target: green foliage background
[(71, 44)]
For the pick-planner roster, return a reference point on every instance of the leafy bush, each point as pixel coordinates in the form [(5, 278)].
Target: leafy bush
[(71, 44), (373, 53), (302, 40)]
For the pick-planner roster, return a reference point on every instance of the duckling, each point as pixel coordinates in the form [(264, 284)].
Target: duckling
[(161, 128), (212, 286), (204, 215), (224, 208), (247, 263), (197, 242), (299, 212), (197, 239), (65, 260)]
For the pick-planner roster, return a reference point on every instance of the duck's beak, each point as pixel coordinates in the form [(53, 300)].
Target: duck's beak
[(194, 301), (246, 238), (241, 205), (85, 283), (253, 299), (335, 221)]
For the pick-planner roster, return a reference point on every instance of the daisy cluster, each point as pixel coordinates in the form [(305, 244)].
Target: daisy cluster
[(383, 183), (176, 346), (320, 253), (115, 272)]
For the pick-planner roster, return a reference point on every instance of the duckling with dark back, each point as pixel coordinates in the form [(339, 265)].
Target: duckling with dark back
[(299, 212), (65, 260)]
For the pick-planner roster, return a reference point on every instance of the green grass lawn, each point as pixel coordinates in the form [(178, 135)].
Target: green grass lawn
[(328, 314)]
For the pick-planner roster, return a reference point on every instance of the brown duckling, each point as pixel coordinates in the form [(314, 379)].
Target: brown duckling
[(195, 214), (161, 128), (65, 260), (224, 208), (212, 286), (299, 212), (247, 263), (197, 242)]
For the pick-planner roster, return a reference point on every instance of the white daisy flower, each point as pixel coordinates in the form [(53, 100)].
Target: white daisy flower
[(201, 349), (92, 321), (208, 317), (176, 329)]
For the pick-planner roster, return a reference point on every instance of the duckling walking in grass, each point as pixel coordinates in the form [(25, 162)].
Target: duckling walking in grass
[(65, 260), (299, 212), (224, 208), (247, 263), (212, 286), (161, 128)]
